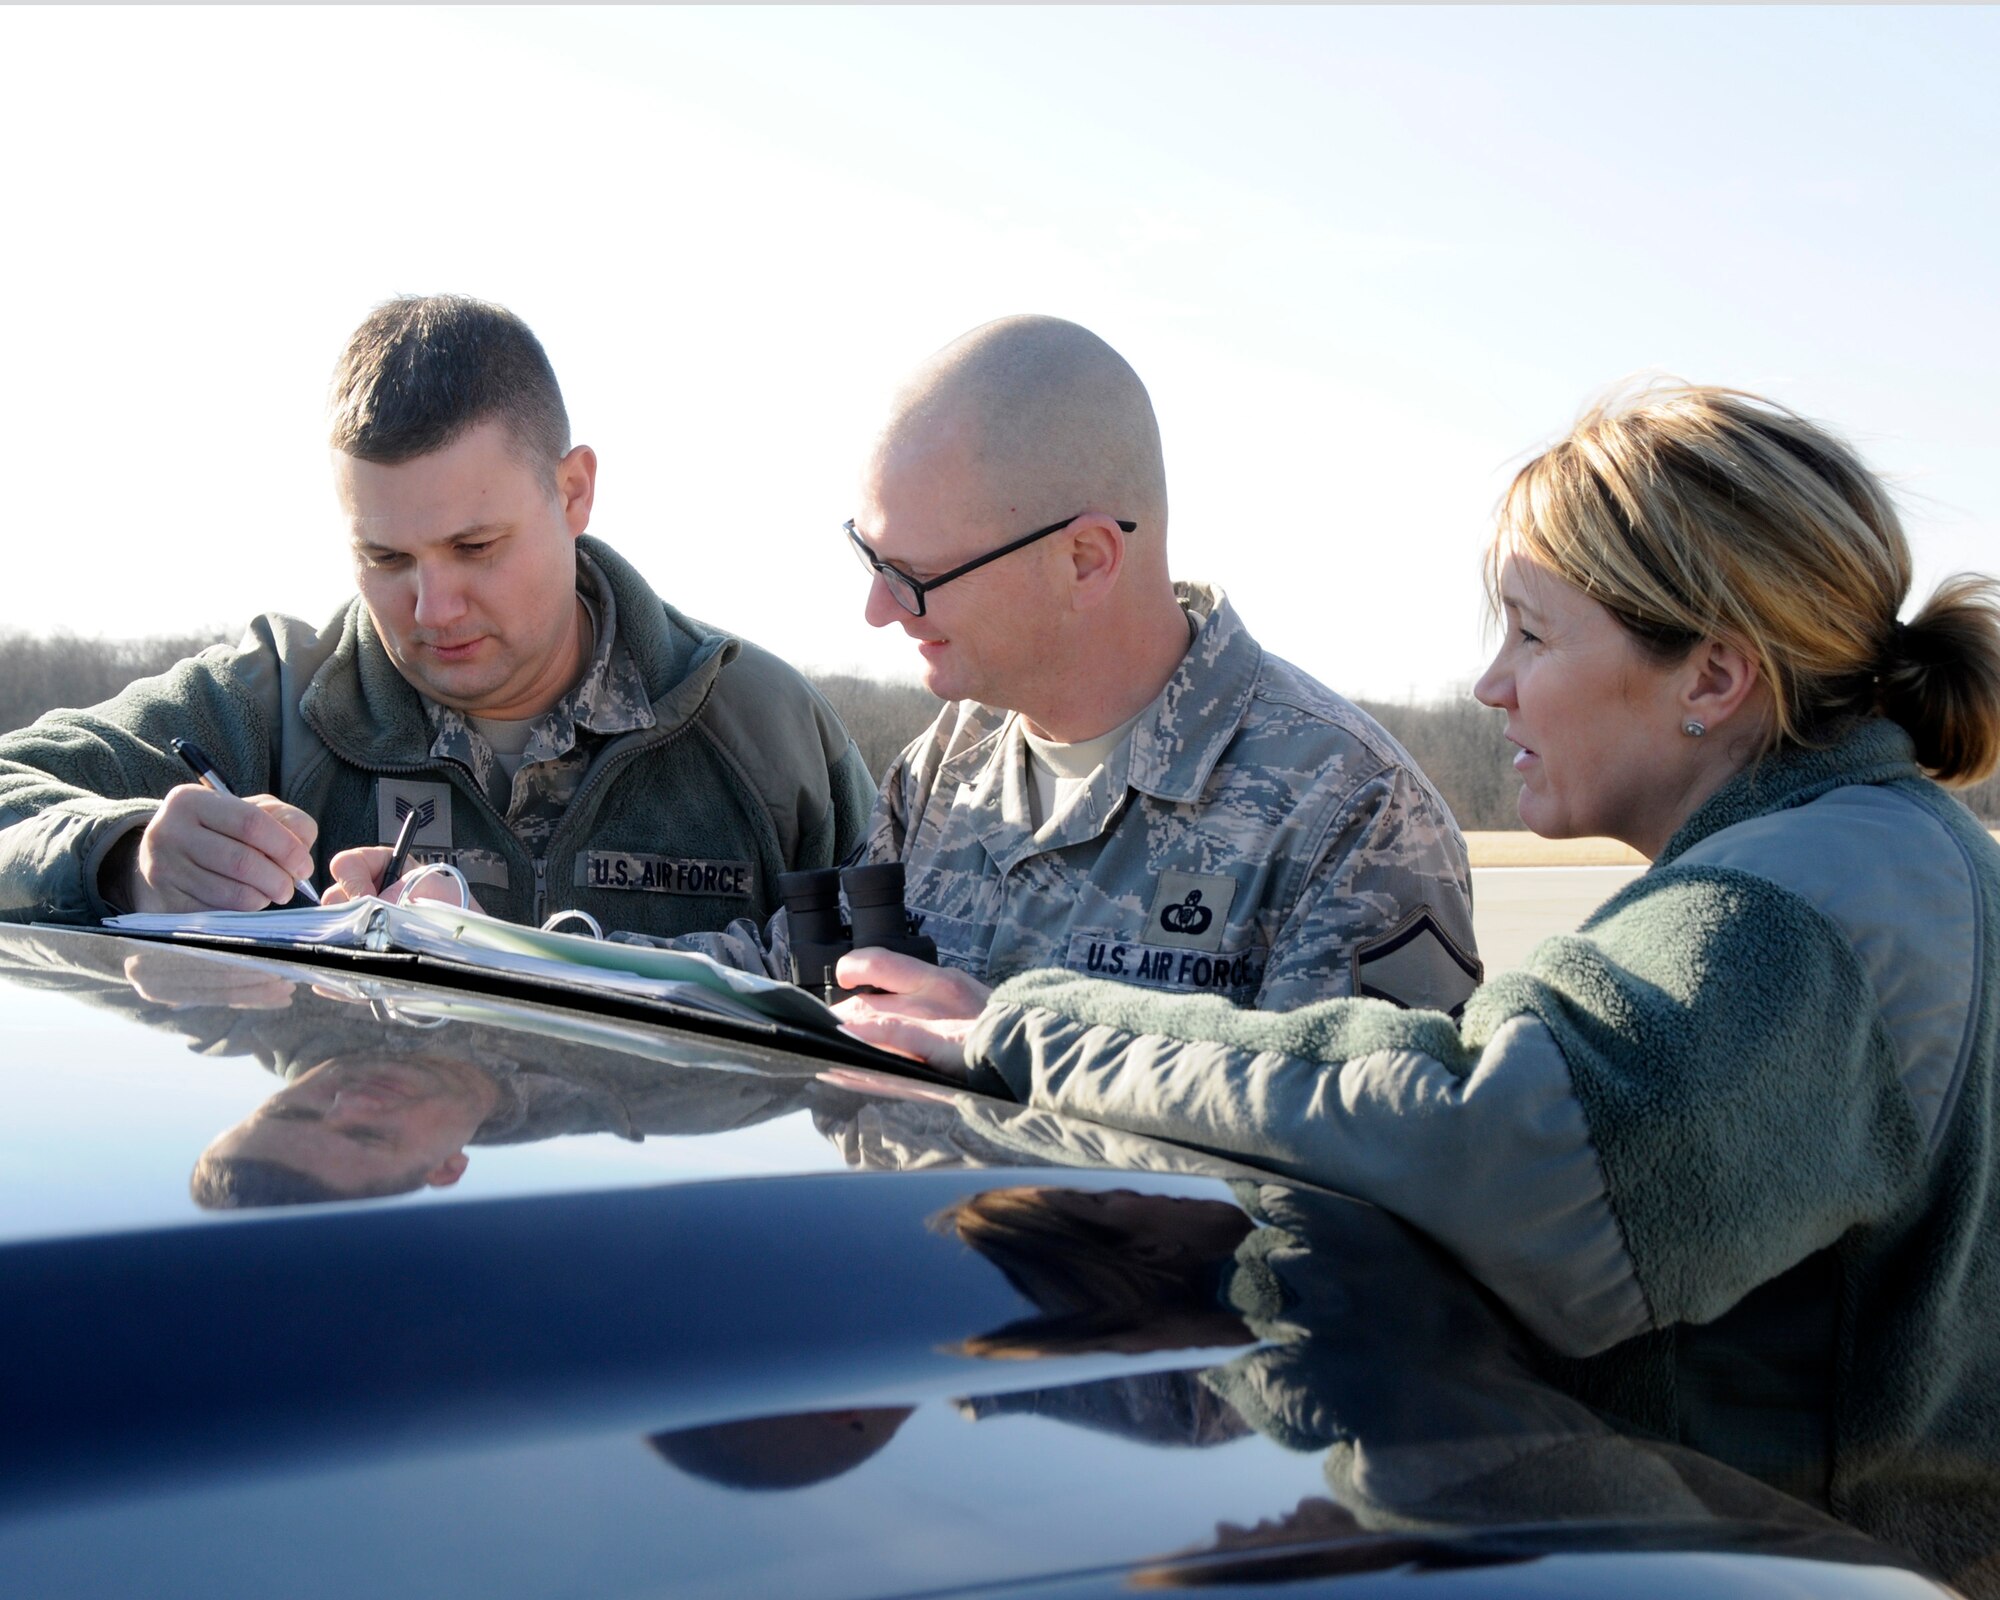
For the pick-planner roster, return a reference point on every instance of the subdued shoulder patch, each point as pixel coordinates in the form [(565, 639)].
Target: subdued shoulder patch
[(1190, 910), (1416, 964)]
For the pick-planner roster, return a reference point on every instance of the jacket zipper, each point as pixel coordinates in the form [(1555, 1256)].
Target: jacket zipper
[(594, 783), (632, 749)]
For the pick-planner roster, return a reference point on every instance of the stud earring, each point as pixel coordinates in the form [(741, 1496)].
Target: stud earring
[(1694, 729)]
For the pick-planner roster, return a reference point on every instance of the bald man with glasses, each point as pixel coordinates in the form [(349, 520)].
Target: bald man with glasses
[(1123, 783)]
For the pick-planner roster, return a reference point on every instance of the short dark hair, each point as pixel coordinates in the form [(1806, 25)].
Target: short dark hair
[(422, 369), (234, 1183)]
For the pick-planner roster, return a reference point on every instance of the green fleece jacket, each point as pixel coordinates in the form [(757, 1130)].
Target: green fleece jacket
[(677, 828), (1728, 1151)]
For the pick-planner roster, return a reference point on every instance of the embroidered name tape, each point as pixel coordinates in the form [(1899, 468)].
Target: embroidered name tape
[(484, 868), (1237, 974), (612, 869)]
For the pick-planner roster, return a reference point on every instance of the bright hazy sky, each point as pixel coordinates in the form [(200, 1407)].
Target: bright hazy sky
[(1363, 258)]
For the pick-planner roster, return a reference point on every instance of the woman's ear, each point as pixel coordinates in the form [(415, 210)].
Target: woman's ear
[(1721, 681)]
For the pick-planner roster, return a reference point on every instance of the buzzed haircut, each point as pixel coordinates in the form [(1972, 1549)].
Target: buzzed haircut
[(1045, 410), (423, 369)]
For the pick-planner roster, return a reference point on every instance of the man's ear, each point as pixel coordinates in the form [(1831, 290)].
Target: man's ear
[(576, 487), (1721, 681), (447, 1172), (1096, 557)]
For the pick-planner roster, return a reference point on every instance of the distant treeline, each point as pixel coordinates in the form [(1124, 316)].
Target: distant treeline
[(1462, 750), (882, 717), (37, 675), (1457, 741)]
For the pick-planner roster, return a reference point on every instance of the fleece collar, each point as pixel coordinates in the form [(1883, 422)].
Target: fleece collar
[(369, 715), (1873, 751)]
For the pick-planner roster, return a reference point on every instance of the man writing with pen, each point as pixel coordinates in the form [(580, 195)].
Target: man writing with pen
[(505, 693)]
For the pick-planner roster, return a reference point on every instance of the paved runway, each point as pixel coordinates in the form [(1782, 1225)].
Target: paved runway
[(1515, 908)]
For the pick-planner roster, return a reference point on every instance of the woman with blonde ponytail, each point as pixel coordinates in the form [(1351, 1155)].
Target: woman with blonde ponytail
[(1731, 1151)]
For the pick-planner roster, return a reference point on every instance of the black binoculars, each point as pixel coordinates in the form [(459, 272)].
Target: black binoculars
[(821, 936)]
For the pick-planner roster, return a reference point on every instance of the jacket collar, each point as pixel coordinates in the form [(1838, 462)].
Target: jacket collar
[(368, 713), (1174, 746), (1003, 818), (1872, 751), (1180, 739)]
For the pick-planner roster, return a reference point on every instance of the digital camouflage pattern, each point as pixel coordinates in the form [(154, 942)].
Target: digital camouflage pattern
[(1257, 837), (609, 699)]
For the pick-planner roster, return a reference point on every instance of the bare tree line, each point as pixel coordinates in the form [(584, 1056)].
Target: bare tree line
[(37, 675), (1456, 741)]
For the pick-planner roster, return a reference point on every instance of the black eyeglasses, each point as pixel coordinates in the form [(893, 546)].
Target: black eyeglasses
[(909, 592)]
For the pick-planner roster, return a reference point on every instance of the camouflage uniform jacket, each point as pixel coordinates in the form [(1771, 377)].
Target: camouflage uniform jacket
[(1258, 837), (665, 792)]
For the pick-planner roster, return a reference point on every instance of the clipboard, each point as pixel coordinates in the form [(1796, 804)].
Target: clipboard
[(472, 950)]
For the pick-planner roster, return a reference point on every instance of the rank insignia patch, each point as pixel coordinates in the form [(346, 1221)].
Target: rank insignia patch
[(1416, 964), (396, 798)]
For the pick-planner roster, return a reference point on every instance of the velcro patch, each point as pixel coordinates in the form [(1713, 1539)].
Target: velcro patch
[(1416, 964), (611, 869), (485, 868), (1239, 976), (396, 798), (1190, 911)]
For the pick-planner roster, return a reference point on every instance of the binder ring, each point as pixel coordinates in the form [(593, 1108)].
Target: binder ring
[(443, 869)]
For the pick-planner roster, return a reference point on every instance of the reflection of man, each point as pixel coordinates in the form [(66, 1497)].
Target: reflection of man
[(563, 737), (1125, 783), (384, 1095), (350, 1129), (394, 1110)]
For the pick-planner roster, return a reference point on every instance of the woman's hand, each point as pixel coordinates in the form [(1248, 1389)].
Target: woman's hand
[(924, 1012)]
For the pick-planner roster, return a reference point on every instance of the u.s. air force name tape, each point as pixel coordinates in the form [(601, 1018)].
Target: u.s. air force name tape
[(612, 869), (1102, 956)]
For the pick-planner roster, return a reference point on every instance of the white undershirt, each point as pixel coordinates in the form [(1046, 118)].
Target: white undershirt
[(1057, 771), (508, 738)]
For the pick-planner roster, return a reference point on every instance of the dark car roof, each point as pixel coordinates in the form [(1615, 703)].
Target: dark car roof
[(699, 1321)]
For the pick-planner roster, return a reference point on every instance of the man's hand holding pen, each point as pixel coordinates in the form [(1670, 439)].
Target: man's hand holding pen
[(372, 869), (205, 851), (365, 870)]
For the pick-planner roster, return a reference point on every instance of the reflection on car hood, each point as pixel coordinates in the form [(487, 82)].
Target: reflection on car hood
[(919, 1343), (142, 1054)]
